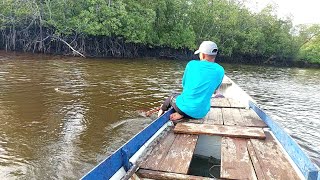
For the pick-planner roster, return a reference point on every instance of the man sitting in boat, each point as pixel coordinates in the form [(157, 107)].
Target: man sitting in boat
[(199, 82)]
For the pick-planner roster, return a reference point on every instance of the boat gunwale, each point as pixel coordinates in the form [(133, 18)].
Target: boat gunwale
[(309, 170), (120, 157)]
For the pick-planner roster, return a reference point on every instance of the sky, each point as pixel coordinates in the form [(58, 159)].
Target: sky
[(302, 11)]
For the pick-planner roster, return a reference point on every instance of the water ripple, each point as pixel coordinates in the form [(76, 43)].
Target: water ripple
[(61, 116), (290, 96)]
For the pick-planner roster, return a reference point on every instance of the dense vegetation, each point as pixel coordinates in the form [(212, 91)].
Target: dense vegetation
[(309, 41), (133, 28)]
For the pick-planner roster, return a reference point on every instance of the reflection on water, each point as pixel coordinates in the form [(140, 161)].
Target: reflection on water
[(61, 116)]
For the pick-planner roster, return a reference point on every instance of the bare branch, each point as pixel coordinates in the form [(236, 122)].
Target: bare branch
[(68, 45), (62, 40)]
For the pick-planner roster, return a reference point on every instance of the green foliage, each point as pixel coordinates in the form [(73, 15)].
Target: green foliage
[(169, 23), (309, 40), (16, 13), (311, 52)]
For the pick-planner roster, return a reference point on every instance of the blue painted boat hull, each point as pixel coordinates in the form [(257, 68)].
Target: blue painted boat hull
[(108, 167)]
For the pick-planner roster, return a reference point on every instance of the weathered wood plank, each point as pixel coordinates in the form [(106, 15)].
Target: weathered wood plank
[(241, 117), (255, 162), (231, 116), (226, 114), (134, 177), (157, 155), (299, 157), (273, 162), (180, 154), (166, 175), (206, 118), (220, 130), (220, 102), (196, 121), (250, 118), (227, 103), (236, 104), (235, 159), (214, 116)]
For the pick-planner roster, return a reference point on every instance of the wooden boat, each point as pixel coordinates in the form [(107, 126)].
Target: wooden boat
[(236, 140)]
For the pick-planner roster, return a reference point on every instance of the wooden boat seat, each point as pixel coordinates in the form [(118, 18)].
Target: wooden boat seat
[(220, 130)]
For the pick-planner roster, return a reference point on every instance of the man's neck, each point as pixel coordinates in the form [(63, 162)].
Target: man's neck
[(210, 60)]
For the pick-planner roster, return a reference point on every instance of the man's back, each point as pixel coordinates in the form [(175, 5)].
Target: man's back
[(200, 80)]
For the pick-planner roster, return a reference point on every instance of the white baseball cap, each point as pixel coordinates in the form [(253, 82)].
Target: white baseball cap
[(207, 47)]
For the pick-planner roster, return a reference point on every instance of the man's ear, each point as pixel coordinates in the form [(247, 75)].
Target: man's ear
[(201, 56)]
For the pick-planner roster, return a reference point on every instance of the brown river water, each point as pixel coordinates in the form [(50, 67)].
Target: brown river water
[(60, 116)]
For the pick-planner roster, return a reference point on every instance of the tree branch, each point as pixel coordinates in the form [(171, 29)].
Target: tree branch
[(58, 38)]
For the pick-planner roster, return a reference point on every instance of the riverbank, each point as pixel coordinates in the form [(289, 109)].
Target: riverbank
[(160, 29), (161, 53)]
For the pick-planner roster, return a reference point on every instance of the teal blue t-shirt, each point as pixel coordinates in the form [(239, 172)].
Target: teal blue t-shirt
[(200, 80)]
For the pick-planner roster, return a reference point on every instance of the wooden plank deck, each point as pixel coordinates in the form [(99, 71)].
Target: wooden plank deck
[(247, 152), (159, 152), (149, 174), (235, 160), (226, 103), (230, 117), (241, 117), (180, 154), (254, 159), (220, 102), (271, 159), (214, 117), (172, 154), (220, 130), (235, 103), (250, 118)]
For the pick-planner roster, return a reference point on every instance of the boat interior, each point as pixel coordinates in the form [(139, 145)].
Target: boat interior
[(231, 142)]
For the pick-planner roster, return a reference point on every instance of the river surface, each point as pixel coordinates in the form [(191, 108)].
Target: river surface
[(60, 116)]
